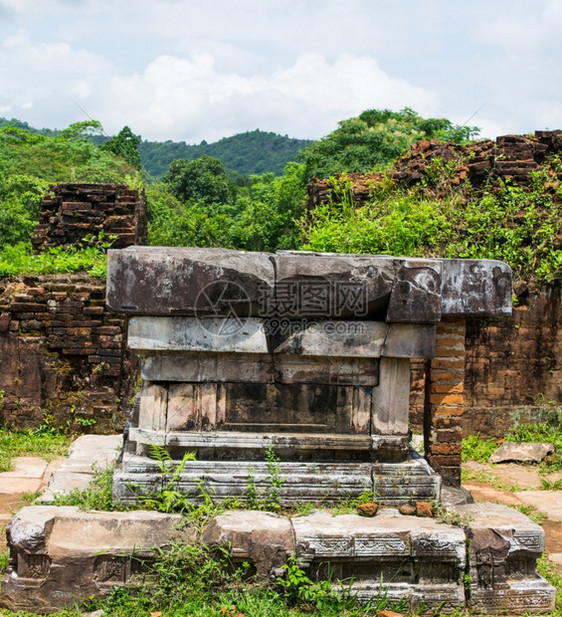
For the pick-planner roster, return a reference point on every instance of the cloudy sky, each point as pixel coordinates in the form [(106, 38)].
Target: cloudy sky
[(205, 69)]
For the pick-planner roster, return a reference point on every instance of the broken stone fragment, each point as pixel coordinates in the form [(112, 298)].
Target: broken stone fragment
[(424, 508), (521, 452)]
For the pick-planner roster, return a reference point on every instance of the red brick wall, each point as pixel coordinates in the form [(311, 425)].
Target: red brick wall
[(71, 211), (62, 353), (444, 400)]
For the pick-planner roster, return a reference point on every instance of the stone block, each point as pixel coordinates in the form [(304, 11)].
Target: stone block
[(187, 281), (263, 539), (360, 339), (217, 334), (503, 548), (203, 367), (476, 287), (54, 562), (407, 557), (391, 401), (521, 452)]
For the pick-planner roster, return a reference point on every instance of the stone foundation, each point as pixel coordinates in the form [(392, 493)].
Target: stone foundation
[(52, 562)]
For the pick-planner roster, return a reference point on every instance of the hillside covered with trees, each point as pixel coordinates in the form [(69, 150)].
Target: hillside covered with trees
[(253, 152)]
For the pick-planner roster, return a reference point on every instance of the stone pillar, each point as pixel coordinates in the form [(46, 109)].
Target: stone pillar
[(444, 400)]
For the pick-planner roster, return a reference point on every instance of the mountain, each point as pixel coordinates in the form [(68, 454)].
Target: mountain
[(253, 152)]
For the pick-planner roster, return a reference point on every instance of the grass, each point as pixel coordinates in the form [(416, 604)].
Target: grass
[(478, 475), (553, 574), (30, 443), (475, 448)]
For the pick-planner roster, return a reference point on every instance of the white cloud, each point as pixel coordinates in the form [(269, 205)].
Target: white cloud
[(191, 99)]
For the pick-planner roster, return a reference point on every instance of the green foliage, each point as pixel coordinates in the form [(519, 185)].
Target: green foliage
[(268, 499), (125, 144), (262, 215), (252, 152), (397, 224), (475, 448), (204, 179), (553, 575), (435, 218), (373, 140), (30, 443), (547, 432), (97, 496), (30, 161), (19, 259), (168, 499)]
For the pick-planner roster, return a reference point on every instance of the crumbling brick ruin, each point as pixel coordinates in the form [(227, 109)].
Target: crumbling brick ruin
[(63, 352), (72, 211)]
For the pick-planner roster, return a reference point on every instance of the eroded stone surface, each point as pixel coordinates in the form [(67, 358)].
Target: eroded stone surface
[(521, 452), (59, 555), (503, 549), (264, 539)]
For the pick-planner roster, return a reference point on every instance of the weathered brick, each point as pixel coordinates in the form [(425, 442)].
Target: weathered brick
[(446, 399)]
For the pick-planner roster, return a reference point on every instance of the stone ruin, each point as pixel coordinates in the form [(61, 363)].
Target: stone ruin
[(306, 355)]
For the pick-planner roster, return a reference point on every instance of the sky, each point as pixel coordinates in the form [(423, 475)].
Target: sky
[(192, 70)]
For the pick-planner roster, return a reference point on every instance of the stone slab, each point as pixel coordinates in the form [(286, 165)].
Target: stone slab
[(203, 367), (26, 476), (208, 367), (215, 334), (547, 502), (60, 555), (86, 454), (476, 287), (392, 483), (188, 281), (296, 285), (361, 339), (521, 452)]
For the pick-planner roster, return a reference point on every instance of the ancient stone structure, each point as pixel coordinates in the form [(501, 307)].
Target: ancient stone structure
[(62, 352), (72, 211), (55, 562), (424, 561), (306, 353)]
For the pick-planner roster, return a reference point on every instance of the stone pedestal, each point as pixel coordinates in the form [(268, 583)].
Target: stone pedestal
[(307, 355)]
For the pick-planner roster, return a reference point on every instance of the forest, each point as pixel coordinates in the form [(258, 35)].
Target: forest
[(204, 201)]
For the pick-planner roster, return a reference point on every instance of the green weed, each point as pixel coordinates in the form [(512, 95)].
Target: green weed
[(97, 496), (474, 448), (553, 574), (30, 443)]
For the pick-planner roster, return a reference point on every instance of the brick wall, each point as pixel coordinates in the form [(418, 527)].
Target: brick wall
[(444, 400), (63, 353), (71, 211)]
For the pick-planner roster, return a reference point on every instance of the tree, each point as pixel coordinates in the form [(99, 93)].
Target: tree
[(204, 179), (125, 144), (373, 140)]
